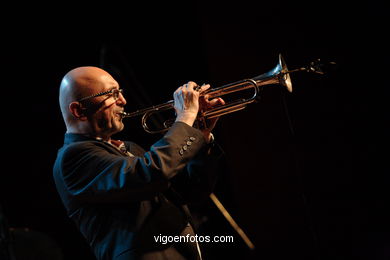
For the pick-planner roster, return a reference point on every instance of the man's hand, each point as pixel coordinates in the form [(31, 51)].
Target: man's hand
[(205, 105), (186, 102)]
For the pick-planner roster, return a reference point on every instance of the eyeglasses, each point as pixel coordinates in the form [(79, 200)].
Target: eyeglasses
[(113, 92)]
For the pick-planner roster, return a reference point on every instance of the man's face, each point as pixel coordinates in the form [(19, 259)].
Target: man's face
[(103, 112)]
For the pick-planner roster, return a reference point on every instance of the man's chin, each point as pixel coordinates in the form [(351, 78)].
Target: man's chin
[(120, 126)]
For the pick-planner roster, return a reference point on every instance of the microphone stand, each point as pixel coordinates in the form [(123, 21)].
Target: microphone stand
[(231, 221)]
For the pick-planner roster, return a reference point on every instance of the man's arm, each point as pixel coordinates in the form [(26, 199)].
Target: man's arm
[(90, 174)]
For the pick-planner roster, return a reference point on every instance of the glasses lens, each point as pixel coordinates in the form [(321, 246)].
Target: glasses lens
[(115, 94)]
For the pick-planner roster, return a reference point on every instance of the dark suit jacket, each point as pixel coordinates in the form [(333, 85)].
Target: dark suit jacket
[(119, 202)]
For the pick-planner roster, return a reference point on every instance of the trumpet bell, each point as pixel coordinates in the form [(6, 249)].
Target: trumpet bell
[(279, 75)]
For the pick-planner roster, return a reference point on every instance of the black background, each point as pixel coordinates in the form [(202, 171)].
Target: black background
[(305, 173)]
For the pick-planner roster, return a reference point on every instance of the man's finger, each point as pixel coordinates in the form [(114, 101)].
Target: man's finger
[(216, 101), (204, 87)]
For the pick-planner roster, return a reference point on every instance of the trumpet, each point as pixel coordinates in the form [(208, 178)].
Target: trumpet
[(279, 75)]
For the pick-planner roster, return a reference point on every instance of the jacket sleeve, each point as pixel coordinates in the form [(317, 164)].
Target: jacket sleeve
[(91, 174), (198, 180)]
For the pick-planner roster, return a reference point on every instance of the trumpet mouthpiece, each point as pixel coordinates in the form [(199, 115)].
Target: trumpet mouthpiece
[(123, 114)]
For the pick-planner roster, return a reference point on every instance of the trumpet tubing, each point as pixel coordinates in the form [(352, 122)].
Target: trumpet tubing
[(279, 75)]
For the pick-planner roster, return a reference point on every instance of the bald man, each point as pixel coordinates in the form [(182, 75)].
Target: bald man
[(121, 197)]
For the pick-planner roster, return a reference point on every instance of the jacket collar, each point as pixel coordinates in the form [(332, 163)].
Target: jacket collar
[(71, 138)]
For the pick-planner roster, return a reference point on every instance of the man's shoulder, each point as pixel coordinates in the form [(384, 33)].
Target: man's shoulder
[(82, 147), (89, 144), (79, 153)]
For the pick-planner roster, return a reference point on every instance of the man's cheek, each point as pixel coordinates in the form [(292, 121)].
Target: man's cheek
[(102, 121)]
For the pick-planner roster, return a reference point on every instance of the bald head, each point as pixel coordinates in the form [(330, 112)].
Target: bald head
[(78, 83)]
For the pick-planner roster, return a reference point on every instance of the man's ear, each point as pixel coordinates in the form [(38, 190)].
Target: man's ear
[(77, 111)]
